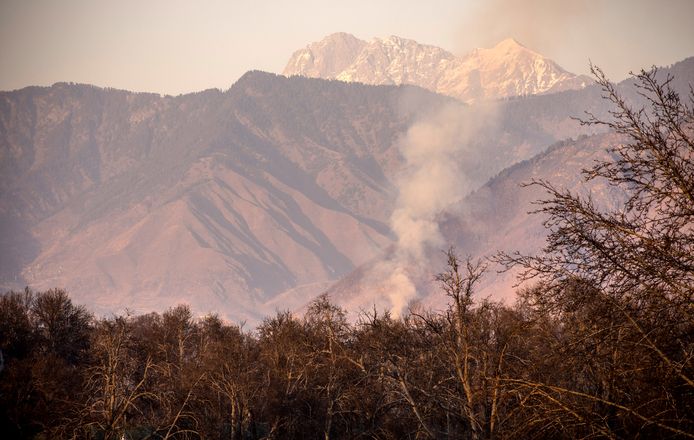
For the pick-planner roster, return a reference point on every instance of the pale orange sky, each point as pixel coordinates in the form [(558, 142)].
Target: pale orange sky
[(172, 46)]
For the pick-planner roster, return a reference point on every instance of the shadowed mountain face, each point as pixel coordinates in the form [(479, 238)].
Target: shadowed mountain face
[(237, 202)]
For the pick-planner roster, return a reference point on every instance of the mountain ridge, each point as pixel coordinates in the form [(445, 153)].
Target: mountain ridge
[(226, 200)]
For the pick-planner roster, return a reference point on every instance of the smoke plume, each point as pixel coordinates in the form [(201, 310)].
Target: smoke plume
[(539, 24), (439, 168), (617, 35)]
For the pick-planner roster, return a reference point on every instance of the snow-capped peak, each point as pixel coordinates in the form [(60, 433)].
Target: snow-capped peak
[(507, 69), (509, 43)]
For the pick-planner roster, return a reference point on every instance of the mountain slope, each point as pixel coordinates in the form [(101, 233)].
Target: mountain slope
[(219, 199), (508, 69), (238, 202)]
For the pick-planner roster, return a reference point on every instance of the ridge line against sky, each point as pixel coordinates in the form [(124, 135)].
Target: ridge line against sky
[(177, 46)]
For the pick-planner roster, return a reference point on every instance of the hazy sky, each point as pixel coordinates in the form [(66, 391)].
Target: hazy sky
[(171, 46)]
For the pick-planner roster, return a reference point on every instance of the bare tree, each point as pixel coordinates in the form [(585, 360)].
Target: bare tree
[(625, 276), (117, 384)]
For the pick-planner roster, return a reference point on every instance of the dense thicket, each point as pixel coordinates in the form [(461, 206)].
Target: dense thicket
[(601, 347)]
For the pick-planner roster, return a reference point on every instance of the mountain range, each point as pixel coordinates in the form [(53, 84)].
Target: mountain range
[(505, 70), (258, 198)]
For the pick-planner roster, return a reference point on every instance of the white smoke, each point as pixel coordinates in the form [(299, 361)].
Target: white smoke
[(439, 162)]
